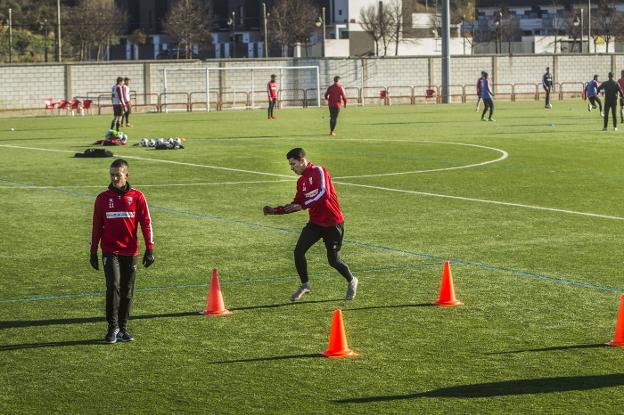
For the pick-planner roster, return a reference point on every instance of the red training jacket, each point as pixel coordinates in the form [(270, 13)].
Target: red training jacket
[(315, 192), (335, 95), (272, 90), (115, 223)]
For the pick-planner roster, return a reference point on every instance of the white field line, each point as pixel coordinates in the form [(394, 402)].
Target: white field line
[(503, 156), (387, 189), (78, 186)]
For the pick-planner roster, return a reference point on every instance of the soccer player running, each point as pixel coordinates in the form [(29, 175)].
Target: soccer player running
[(335, 96), (612, 92), (119, 104), (547, 83), (591, 92), (315, 192), (272, 95), (117, 213), (479, 91), (488, 97), (126, 91), (621, 83)]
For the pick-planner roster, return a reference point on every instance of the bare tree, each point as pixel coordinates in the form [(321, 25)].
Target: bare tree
[(91, 25), (189, 22), (605, 22), (376, 20), (292, 22)]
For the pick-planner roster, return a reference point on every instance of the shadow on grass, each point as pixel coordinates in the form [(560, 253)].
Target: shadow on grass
[(548, 349), (373, 307), (8, 347), (86, 320), (506, 388), (269, 358)]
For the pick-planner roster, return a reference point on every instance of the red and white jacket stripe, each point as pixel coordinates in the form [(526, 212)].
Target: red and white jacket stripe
[(116, 218), (315, 192)]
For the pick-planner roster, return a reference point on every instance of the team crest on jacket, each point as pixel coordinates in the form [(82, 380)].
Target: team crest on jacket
[(129, 200), (111, 204)]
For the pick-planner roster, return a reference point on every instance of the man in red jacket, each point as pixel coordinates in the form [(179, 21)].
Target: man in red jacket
[(335, 96), (116, 216), (315, 192), (272, 95)]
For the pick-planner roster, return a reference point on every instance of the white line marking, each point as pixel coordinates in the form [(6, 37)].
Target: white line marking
[(503, 156), (78, 186), (388, 189), (492, 202)]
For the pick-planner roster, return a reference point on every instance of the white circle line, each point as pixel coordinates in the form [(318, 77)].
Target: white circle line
[(503, 156)]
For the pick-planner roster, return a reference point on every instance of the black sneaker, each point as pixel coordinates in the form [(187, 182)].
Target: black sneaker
[(124, 336), (111, 336)]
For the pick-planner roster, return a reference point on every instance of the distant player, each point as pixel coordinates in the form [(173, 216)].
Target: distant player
[(272, 95), (591, 92), (621, 83), (547, 83), (488, 97), (479, 91), (612, 92), (315, 192), (119, 105), (116, 218), (126, 89), (335, 96)]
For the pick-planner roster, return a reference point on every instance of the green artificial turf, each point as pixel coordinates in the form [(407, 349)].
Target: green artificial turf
[(528, 209)]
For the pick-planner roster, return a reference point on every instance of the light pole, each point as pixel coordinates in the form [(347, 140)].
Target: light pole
[(232, 23), (589, 26), (576, 22), (59, 43), (320, 22), (265, 16), (10, 36), (497, 23)]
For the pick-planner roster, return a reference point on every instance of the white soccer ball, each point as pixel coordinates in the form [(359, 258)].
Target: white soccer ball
[(151, 142), (123, 137), (171, 140), (177, 141), (144, 142)]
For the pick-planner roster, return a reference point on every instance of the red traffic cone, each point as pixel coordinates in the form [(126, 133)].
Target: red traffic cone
[(338, 346), (215, 306), (618, 338), (447, 292)]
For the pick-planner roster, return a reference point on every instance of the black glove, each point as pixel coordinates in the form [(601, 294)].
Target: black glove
[(148, 258), (94, 261)]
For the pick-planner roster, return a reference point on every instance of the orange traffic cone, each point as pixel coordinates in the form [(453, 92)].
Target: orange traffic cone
[(338, 346), (215, 306), (447, 292), (618, 338)]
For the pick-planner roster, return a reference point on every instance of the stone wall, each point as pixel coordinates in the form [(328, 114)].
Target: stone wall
[(27, 86)]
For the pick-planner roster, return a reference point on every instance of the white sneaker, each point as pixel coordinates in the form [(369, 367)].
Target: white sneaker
[(352, 289), (303, 289), (614, 128), (589, 107), (605, 129), (602, 114)]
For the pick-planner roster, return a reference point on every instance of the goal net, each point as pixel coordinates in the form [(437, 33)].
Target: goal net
[(220, 88)]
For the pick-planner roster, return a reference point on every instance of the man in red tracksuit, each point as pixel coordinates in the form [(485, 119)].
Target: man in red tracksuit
[(335, 96), (116, 216), (315, 192), (272, 95)]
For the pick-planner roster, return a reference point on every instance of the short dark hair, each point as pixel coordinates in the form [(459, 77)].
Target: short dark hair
[(119, 163), (273, 76), (296, 153), (336, 78), (119, 79), (610, 75), (126, 79)]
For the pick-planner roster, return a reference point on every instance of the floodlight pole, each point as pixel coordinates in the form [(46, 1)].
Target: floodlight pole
[(266, 32), (10, 35), (446, 52), (59, 43)]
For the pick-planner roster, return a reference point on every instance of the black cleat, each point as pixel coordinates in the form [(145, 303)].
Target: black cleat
[(111, 336), (124, 336)]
